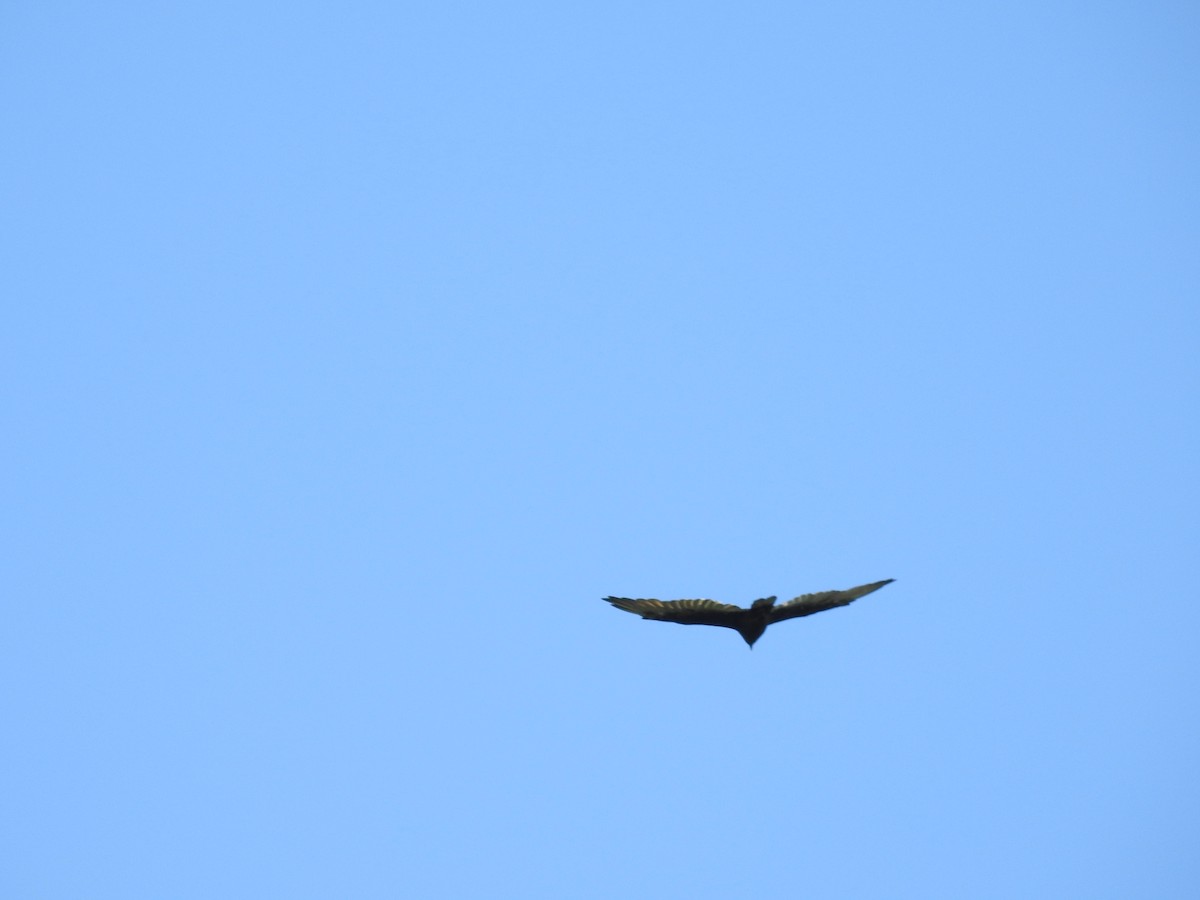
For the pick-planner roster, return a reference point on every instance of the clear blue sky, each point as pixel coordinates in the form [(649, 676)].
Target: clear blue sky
[(352, 352)]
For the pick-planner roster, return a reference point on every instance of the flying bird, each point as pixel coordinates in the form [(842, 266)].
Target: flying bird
[(749, 623)]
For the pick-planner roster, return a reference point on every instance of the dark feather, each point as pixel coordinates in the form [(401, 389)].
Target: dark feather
[(685, 612), (807, 604)]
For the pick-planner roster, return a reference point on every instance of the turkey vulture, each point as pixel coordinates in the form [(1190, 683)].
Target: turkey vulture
[(749, 623)]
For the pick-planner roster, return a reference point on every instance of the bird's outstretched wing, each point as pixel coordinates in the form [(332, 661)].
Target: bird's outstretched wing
[(807, 604), (686, 612)]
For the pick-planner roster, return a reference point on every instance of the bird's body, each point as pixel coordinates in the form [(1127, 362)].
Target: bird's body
[(749, 623)]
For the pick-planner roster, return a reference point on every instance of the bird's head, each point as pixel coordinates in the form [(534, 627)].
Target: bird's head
[(765, 601)]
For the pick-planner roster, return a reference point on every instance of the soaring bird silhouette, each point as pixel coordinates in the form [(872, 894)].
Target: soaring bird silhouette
[(749, 623)]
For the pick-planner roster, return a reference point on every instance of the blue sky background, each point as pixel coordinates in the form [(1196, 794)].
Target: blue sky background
[(351, 353)]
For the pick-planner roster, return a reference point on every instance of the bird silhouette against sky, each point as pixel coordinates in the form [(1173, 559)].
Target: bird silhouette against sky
[(749, 623)]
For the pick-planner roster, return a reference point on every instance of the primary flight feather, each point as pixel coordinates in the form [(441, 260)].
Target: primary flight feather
[(749, 623)]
